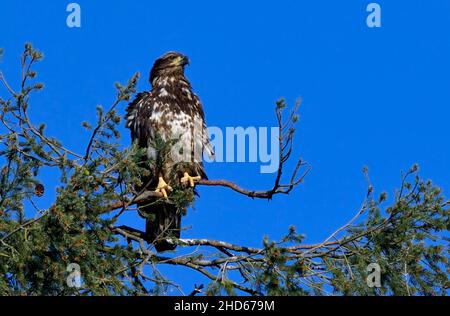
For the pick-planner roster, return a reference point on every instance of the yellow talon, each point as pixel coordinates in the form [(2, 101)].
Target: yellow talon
[(163, 187), (188, 179)]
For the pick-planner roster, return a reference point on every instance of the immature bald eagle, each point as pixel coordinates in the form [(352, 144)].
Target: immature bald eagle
[(170, 111)]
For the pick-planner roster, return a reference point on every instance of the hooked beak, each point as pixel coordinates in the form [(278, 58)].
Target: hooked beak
[(184, 61), (181, 61)]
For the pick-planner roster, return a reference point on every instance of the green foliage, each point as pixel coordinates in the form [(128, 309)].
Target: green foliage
[(35, 252), (408, 239)]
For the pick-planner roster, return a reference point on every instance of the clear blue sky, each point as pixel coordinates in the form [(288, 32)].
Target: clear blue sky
[(371, 97)]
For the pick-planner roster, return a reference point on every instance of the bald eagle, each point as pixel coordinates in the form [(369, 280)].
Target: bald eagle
[(170, 112)]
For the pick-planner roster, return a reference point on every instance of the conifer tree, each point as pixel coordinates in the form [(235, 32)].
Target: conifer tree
[(395, 244)]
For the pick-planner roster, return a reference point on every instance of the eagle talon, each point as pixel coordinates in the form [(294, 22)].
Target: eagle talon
[(188, 179), (163, 187)]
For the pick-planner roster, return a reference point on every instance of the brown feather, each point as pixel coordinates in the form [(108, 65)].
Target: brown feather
[(170, 110)]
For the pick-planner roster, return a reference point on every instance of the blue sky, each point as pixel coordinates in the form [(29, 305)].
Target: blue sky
[(376, 97)]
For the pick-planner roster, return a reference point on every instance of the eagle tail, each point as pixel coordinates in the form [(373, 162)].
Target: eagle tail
[(163, 222)]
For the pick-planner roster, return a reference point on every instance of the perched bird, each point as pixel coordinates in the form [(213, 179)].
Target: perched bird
[(170, 112)]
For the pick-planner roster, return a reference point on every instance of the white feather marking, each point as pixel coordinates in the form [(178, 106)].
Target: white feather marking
[(163, 93)]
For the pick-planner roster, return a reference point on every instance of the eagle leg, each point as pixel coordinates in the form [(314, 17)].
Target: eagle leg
[(163, 187), (188, 179)]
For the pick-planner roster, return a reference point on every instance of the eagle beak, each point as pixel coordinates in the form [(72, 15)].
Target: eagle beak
[(184, 61), (180, 61)]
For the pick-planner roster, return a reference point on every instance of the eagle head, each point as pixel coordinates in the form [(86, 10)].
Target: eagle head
[(170, 64)]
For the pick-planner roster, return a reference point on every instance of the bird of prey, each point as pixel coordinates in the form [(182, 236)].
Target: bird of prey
[(170, 112)]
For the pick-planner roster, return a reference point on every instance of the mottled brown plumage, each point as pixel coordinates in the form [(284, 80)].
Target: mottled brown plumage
[(171, 111)]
